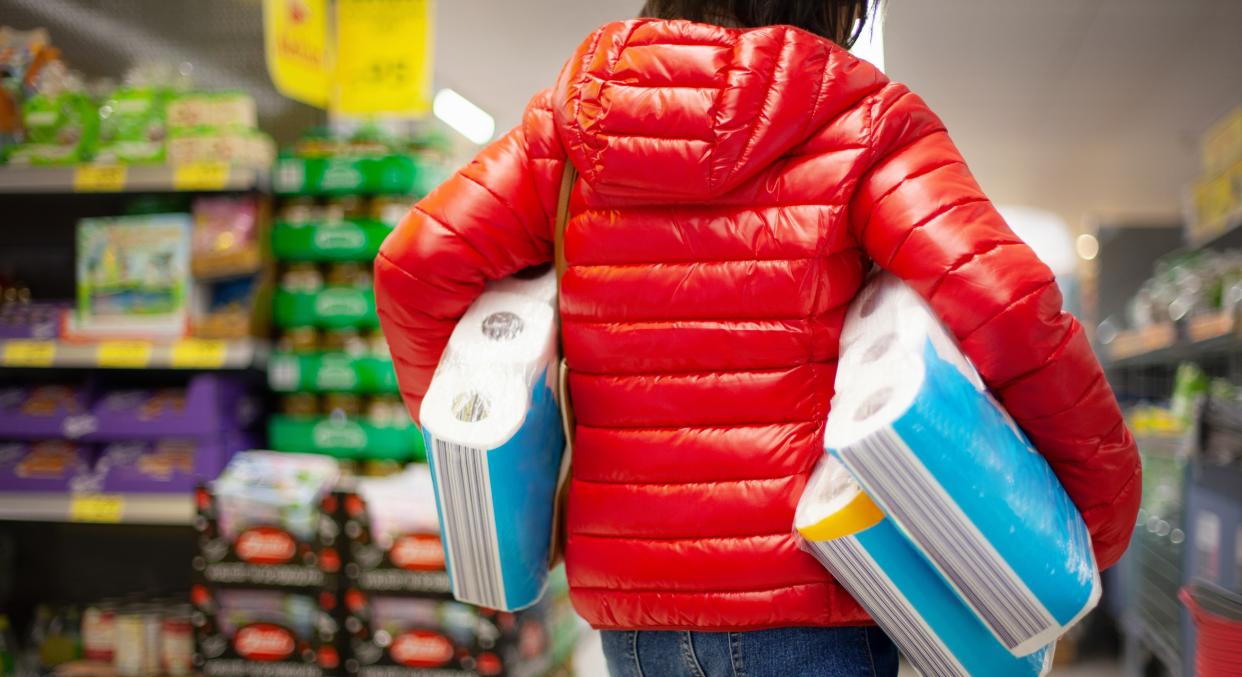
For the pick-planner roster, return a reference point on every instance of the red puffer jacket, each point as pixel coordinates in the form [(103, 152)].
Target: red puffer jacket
[(735, 187)]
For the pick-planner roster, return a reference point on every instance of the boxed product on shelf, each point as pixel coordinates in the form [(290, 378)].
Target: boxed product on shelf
[(349, 239), (211, 405), (231, 145), (265, 632), (31, 320), (331, 372), (133, 276), (212, 109), (346, 437), (43, 411), (161, 466), (270, 520), (48, 465), (393, 536), (133, 125), (396, 636), (225, 239), (61, 127)]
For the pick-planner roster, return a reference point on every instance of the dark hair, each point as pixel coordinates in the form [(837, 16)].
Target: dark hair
[(838, 20)]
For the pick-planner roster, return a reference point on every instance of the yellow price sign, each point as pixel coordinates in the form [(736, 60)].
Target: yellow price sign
[(24, 353), (199, 354), (124, 354), (99, 178), (107, 508), (201, 176), (383, 57)]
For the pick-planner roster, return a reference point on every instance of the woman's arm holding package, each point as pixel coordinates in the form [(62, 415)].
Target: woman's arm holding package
[(919, 214), (488, 221)]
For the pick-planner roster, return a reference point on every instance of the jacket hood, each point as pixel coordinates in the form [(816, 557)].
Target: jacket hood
[(676, 110)]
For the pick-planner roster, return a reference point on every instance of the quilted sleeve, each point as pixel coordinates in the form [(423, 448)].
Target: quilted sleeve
[(489, 220), (919, 213)]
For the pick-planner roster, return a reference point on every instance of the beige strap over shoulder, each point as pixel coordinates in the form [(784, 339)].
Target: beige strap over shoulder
[(567, 412)]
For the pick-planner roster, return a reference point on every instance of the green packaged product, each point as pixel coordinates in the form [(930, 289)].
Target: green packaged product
[(59, 128), (132, 125)]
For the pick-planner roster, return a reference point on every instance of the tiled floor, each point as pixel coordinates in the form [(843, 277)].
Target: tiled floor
[(589, 662)]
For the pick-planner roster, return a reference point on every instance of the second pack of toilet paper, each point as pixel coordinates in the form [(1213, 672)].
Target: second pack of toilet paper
[(876, 563), (913, 424), (494, 443)]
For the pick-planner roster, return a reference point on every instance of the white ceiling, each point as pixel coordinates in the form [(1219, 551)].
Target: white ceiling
[(1086, 107)]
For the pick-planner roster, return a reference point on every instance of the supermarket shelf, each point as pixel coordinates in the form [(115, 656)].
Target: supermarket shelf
[(97, 508), (130, 178), (1169, 343), (129, 354)]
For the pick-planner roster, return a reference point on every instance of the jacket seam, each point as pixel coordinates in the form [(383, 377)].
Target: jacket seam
[(786, 43), (713, 591), (456, 233), (688, 483), (966, 259), (922, 222), (700, 425), (687, 320)]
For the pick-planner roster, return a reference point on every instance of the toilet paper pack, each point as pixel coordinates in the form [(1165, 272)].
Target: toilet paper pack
[(495, 444), (875, 562), (915, 427)]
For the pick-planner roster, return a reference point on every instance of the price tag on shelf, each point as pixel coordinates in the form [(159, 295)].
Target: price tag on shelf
[(99, 178), (199, 354), (124, 354), (106, 508), (201, 176), (24, 353)]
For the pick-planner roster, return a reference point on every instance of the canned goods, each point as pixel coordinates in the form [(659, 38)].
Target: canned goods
[(129, 656), (342, 403), (177, 643), (299, 210), (301, 405), (99, 633), (299, 340), (349, 275), (302, 277)]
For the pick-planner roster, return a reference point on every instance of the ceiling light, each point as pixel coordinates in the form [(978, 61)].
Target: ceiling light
[(459, 113), (1087, 246)]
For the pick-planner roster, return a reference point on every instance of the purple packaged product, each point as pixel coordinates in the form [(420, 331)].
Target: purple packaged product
[(210, 405), (45, 411), (165, 466), (31, 320), (49, 465)]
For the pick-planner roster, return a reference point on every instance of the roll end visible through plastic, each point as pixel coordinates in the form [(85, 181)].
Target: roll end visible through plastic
[(860, 514)]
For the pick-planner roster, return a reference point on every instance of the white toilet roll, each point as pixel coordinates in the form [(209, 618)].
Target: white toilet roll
[(505, 328)]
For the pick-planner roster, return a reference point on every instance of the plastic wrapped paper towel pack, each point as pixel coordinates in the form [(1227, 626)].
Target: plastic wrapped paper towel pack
[(495, 443), (913, 424), (868, 555)]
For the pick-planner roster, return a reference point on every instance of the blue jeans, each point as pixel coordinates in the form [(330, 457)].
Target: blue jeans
[(783, 652)]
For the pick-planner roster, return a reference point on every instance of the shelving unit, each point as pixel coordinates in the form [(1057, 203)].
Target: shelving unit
[(130, 178), (134, 354), (1170, 343)]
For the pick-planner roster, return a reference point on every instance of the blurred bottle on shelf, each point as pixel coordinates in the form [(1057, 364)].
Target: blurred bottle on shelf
[(8, 648)]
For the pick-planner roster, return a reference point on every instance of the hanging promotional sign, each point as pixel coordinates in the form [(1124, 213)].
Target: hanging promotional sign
[(298, 47), (383, 57)]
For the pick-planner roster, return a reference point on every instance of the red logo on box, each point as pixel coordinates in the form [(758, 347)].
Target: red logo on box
[(266, 545), (264, 642), (418, 552), (421, 649)]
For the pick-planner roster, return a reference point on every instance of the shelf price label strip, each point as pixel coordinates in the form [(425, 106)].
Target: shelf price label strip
[(199, 354), (124, 354), (201, 176), (24, 353), (99, 178), (103, 508)]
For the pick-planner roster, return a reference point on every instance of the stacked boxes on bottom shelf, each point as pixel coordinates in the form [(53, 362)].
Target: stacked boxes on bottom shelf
[(400, 617), (266, 572)]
